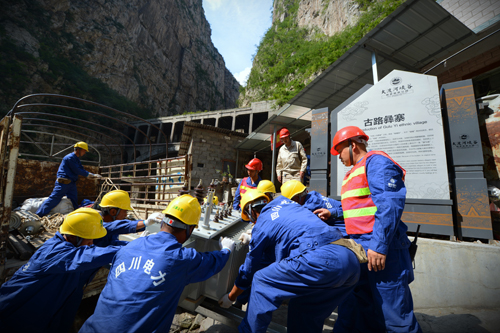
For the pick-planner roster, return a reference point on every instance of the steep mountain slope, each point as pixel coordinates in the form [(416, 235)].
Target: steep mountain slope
[(305, 38), (153, 57)]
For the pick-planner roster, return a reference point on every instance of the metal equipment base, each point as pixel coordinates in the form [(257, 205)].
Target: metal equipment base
[(231, 317)]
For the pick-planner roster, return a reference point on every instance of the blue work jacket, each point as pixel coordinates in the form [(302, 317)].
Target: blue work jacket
[(388, 192), (115, 229), (146, 281), (44, 294), (237, 195), (71, 167), (315, 200), (284, 229)]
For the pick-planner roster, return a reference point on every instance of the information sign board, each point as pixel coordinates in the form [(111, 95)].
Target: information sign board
[(402, 116)]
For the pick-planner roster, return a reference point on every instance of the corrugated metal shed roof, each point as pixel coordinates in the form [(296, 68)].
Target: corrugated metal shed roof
[(189, 127), (418, 34), (260, 139)]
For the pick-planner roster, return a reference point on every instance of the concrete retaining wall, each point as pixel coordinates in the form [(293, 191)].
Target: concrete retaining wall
[(456, 274)]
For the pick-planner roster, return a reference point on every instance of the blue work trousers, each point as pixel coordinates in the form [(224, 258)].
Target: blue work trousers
[(59, 191), (315, 282), (381, 301)]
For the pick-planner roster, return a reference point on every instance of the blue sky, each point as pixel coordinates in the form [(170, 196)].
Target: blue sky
[(237, 28)]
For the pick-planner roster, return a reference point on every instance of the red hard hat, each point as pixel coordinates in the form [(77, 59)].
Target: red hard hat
[(345, 133), (284, 132), (254, 164)]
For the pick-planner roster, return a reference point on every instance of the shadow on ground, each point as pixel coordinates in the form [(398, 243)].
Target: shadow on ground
[(454, 323)]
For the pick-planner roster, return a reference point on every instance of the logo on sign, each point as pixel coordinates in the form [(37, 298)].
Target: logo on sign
[(397, 80), (465, 142)]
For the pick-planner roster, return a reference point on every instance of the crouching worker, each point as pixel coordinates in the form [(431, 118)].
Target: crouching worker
[(49, 288), (328, 210), (268, 188), (149, 274), (310, 268), (114, 207)]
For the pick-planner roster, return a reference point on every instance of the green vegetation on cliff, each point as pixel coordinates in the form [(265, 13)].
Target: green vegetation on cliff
[(289, 56)]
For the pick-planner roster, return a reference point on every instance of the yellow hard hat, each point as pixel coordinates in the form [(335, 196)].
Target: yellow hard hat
[(82, 145), (266, 186), (116, 199), (185, 209), (85, 223), (215, 200), (291, 188), (248, 197)]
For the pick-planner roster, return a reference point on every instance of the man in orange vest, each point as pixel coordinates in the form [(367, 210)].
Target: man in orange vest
[(253, 179), (373, 198)]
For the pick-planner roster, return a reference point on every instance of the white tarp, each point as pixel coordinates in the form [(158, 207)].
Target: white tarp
[(32, 205)]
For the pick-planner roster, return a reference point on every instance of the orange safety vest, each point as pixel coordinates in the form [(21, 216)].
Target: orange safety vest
[(357, 204), (244, 186)]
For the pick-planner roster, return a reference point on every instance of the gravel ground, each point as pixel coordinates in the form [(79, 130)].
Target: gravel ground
[(437, 320)]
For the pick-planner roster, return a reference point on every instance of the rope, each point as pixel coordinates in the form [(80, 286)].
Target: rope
[(52, 223), (107, 186)]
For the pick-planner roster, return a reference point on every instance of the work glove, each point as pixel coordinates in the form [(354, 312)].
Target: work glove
[(153, 218), (225, 302), (226, 243), (245, 238)]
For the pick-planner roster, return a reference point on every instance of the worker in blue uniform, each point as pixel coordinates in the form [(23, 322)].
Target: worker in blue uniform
[(48, 289), (309, 268), (373, 198), (149, 274), (269, 190), (252, 181), (114, 207), (67, 175), (327, 209)]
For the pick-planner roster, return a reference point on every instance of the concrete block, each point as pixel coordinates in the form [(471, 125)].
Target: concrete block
[(456, 274), (466, 16), (452, 8), (479, 8), (493, 5), (487, 15)]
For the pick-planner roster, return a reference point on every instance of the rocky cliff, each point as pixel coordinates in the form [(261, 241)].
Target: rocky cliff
[(327, 16), (305, 38), (153, 57)]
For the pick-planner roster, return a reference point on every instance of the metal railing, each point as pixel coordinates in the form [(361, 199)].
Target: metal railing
[(151, 184)]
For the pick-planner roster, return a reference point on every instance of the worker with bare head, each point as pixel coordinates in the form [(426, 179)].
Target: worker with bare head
[(373, 198), (114, 208), (304, 266), (67, 176), (252, 181), (148, 275), (50, 286), (292, 158)]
